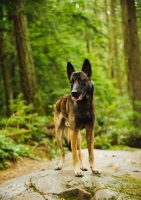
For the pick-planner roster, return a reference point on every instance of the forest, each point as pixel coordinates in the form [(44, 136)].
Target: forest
[(37, 39)]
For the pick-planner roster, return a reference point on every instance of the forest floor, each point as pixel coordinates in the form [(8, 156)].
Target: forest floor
[(26, 165), (22, 167)]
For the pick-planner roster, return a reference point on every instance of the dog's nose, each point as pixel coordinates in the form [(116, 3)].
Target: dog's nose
[(74, 93)]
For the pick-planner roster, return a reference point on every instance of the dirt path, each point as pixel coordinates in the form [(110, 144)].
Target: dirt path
[(22, 167)]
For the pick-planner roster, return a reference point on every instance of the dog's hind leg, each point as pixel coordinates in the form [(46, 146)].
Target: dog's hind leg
[(59, 138), (62, 152), (83, 167)]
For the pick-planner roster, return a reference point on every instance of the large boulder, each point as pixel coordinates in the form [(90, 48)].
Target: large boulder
[(120, 179)]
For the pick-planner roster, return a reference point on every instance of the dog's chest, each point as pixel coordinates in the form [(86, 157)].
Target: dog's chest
[(82, 118)]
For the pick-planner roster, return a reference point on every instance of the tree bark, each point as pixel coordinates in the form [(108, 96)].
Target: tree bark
[(24, 52), (108, 43), (114, 46), (5, 75), (132, 56)]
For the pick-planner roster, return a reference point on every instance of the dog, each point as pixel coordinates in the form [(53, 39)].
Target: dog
[(74, 112)]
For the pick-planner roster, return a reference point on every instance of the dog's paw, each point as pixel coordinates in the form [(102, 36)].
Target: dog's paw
[(84, 169), (96, 171), (58, 168), (78, 173)]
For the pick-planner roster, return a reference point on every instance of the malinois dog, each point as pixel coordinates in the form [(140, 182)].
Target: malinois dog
[(73, 113)]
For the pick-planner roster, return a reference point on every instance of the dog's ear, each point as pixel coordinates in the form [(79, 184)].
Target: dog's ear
[(87, 68), (70, 69)]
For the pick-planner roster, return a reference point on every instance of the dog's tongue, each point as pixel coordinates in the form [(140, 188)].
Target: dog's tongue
[(78, 98)]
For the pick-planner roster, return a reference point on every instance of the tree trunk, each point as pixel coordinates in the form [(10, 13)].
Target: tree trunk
[(24, 52), (5, 75), (114, 46), (108, 43), (126, 42), (132, 56)]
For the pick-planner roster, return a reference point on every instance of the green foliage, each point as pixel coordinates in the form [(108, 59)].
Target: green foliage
[(114, 124), (132, 137), (24, 125), (60, 37), (9, 151), (27, 128), (108, 139)]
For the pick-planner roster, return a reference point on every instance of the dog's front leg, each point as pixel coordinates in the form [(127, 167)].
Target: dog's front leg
[(58, 133), (83, 166), (77, 170), (90, 144)]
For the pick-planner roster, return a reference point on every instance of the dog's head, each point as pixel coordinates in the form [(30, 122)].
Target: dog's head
[(80, 82)]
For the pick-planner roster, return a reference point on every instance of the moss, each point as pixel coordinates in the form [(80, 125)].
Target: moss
[(32, 186), (122, 147), (129, 186)]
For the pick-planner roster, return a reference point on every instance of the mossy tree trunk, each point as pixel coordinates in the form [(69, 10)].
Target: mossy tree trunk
[(5, 75), (4, 66), (132, 56)]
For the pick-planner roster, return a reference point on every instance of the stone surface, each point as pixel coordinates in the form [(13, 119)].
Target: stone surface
[(120, 179)]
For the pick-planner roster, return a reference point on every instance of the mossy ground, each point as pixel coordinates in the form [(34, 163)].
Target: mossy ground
[(129, 186)]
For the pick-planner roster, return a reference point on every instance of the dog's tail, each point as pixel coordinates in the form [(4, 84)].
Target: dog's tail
[(67, 138)]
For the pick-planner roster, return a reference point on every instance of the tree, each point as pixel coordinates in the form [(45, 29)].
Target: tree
[(24, 53), (113, 32), (4, 67), (114, 45), (6, 77), (132, 56)]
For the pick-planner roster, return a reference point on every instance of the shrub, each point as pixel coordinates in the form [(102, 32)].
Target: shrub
[(9, 151), (132, 138)]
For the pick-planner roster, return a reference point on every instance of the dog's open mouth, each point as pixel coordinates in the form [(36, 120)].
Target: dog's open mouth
[(80, 97)]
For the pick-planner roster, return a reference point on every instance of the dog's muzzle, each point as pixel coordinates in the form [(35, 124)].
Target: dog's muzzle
[(77, 96), (74, 93)]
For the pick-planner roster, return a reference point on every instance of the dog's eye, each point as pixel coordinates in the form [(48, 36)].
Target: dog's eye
[(81, 80), (72, 82)]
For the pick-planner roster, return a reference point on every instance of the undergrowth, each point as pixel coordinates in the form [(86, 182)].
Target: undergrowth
[(23, 134), (9, 151)]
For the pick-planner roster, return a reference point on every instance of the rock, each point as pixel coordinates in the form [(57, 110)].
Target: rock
[(124, 183), (76, 192)]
